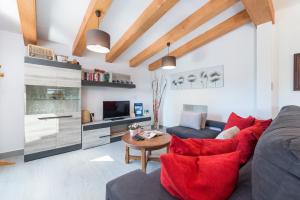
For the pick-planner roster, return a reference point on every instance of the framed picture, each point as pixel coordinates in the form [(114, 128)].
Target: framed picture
[(297, 72), (209, 77), (138, 109)]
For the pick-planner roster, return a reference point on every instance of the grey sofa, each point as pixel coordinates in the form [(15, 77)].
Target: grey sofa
[(212, 129), (273, 173)]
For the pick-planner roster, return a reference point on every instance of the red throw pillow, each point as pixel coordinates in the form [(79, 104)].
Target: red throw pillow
[(201, 147), (240, 122), (200, 178), (259, 127), (246, 144)]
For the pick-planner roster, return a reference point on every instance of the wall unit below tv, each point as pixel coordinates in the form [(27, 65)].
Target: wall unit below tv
[(107, 84)]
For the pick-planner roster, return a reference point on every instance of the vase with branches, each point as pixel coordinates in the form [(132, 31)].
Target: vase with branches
[(158, 89)]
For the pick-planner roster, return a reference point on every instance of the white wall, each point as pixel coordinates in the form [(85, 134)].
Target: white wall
[(237, 52), (264, 63), (12, 53), (11, 92), (288, 43)]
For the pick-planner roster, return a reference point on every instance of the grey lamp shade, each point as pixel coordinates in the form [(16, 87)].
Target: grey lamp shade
[(98, 41), (169, 62)]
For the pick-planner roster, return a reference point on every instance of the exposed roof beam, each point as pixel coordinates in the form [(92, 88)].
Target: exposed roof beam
[(230, 24), (260, 11), (202, 15), (27, 13), (147, 19), (89, 21)]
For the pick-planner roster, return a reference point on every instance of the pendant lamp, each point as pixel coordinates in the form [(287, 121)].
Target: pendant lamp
[(98, 40), (169, 62)]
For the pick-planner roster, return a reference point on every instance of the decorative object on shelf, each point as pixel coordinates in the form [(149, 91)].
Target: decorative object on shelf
[(85, 116), (121, 78), (107, 84), (138, 109), (40, 52), (73, 62), (61, 58), (6, 163), (98, 40), (158, 90), (169, 62), (1, 74), (297, 72), (210, 77), (134, 129)]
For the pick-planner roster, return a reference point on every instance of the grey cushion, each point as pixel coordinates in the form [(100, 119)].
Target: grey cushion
[(276, 161), (243, 190), (190, 119), (137, 185), (184, 132)]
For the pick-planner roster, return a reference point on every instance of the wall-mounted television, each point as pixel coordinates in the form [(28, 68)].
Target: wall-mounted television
[(116, 109)]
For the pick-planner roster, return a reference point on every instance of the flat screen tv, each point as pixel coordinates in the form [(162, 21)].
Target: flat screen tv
[(116, 109)]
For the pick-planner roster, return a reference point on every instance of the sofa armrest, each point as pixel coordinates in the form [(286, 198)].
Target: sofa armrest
[(215, 124)]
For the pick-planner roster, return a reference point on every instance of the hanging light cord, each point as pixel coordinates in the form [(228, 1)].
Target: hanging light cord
[(98, 14), (168, 44)]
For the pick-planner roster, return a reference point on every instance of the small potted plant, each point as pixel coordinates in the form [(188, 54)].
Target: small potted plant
[(134, 129)]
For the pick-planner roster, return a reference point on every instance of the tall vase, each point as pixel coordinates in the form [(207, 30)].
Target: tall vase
[(155, 119)]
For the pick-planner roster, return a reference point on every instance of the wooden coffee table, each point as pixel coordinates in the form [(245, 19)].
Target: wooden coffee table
[(145, 146)]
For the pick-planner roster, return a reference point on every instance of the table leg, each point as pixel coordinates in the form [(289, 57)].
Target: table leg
[(126, 154), (143, 160)]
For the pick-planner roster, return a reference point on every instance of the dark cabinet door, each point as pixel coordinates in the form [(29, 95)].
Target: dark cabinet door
[(297, 72)]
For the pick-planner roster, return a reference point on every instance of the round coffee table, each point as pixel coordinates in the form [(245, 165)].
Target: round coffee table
[(145, 146)]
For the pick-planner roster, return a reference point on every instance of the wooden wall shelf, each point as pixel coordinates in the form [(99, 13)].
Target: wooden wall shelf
[(107, 84)]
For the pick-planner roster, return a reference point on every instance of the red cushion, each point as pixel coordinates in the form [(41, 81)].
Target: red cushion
[(240, 122), (246, 144), (201, 147), (259, 127), (200, 178)]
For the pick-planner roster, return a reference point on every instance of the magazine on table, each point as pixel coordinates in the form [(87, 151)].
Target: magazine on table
[(151, 134)]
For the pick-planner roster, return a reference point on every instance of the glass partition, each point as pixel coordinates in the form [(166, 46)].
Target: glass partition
[(47, 99)]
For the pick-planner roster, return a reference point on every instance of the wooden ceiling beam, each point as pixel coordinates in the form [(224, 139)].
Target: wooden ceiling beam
[(147, 19), (221, 29), (260, 11), (201, 16), (90, 21), (27, 14)]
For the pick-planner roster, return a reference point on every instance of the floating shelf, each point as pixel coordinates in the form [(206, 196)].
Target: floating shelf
[(107, 84), (52, 63)]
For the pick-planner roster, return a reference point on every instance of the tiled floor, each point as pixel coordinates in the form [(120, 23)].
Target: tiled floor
[(78, 175)]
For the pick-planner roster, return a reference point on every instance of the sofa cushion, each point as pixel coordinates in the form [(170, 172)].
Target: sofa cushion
[(243, 190), (184, 132), (240, 122), (190, 119), (246, 144), (201, 147), (134, 185), (276, 161), (228, 133), (200, 178)]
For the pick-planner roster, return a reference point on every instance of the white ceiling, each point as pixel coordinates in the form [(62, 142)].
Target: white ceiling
[(59, 20)]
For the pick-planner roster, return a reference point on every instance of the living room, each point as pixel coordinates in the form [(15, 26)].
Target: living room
[(245, 53)]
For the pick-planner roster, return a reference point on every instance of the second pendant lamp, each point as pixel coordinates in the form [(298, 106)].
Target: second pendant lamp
[(169, 62), (98, 40)]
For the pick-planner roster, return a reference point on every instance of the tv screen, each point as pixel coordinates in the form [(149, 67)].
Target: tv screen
[(116, 109)]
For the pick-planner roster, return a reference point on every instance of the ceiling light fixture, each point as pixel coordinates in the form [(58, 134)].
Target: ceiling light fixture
[(98, 40), (169, 62)]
